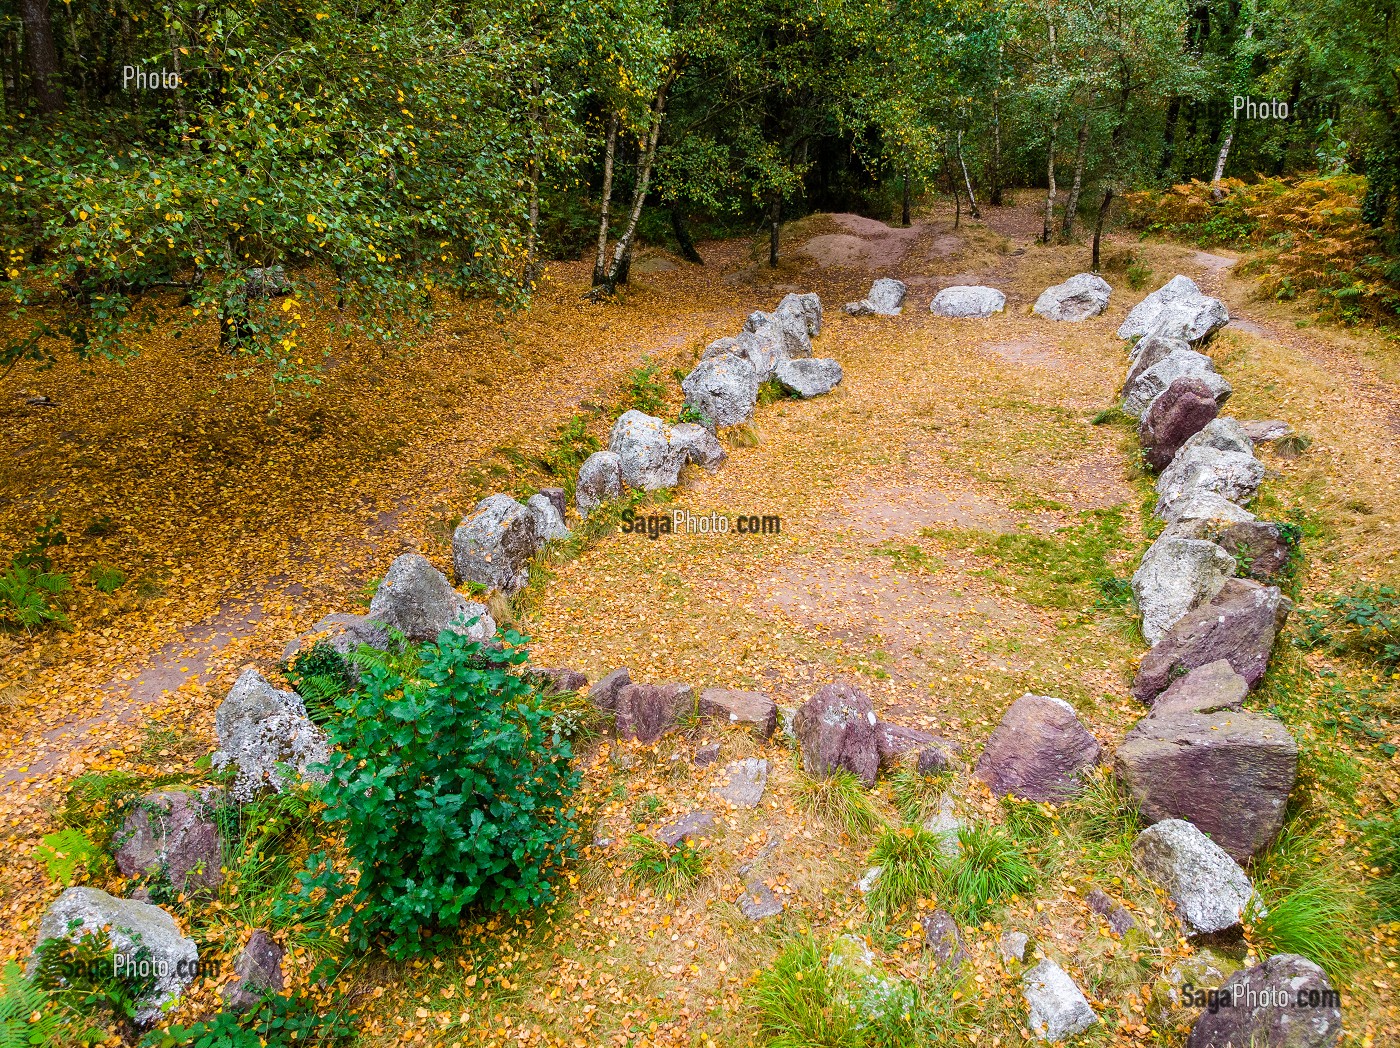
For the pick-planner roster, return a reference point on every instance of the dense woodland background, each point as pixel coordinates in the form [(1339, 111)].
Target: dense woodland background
[(381, 152)]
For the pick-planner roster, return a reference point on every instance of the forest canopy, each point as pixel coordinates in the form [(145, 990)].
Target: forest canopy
[(248, 162)]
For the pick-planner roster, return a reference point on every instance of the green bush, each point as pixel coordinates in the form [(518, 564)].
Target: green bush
[(30, 1017), (666, 871), (81, 975), (454, 792), (643, 390), (991, 868), (106, 578), (320, 676), (910, 868), (838, 799)]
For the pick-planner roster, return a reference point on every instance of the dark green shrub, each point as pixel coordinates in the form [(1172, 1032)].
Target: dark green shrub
[(82, 976), (453, 788), (1365, 622), (320, 676)]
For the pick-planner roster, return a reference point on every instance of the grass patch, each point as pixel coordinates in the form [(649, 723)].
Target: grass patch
[(1114, 416), (1381, 839), (666, 871), (839, 799), (1317, 918), (992, 869), (906, 557), (802, 1003), (1103, 819), (1054, 571), (916, 796), (910, 868), (644, 390)]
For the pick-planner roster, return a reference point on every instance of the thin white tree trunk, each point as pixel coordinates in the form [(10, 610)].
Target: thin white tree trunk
[(1229, 140), (967, 180), (644, 165), (608, 154), (1080, 156)]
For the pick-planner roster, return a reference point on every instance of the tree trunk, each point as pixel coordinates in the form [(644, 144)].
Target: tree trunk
[(775, 216), (1216, 193), (682, 232), (1072, 204), (971, 199), (1169, 143), (995, 197), (532, 234), (1050, 149), (622, 253), (957, 196), (904, 217), (609, 152), (1098, 225), (41, 55)]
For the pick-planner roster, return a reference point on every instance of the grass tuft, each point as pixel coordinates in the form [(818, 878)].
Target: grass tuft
[(992, 868), (916, 796), (802, 1003), (666, 871), (839, 799), (911, 867), (1318, 918)]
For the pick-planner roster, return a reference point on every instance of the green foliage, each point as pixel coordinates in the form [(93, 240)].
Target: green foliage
[(46, 537), (62, 854), (97, 803), (26, 597), (1116, 592), (1052, 571), (572, 446), (804, 1003), (1114, 416), (839, 799), (105, 578), (666, 871), (320, 676), (643, 390), (1316, 917), (1365, 622), (276, 1022), (690, 413), (1381, 839), (992, 868), (82, 975), (910, 868), (1102, 819), (31, 1018), (772, 391), (453, 790), (1139, 273), (646, 808), (906, 557)]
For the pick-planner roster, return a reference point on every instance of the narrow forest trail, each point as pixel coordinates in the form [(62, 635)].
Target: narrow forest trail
[(944, 516)]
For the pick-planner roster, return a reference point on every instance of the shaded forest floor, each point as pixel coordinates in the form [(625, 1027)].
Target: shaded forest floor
[(946, 516)]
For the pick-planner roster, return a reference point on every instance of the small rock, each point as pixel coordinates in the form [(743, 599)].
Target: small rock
[(945, 825), (812, 377), (650, 455), (599, 481), (262, 731), (808, 306), (1229, 773), (132, 927), (259, 971), (495, 545), (1058, 1008), (886, 299), (1012, 946), (558, 498), (836, 730), (1222, 434), (549, 519), (941, 936), (172, 834), (938, 757), (745, 781), (1177, 309), (750, 708), (1229, 474), (1175, 576), (417, 600), (1212, 688), (645, 712), (698, 445), (706, 755), (1080, 297), (893, 742), (344, 634), (1239, 625), (1205, 970), (604, 694), (1266, 431), (758, 901), (1178, 414), (723, 389), (1286, 1002), (1142, 393), (1120, 921), (970, 302), (867, 881), (689, 828), (1038, 752), (556, 680), (1258, 546), (787, 720), (1209, 889)]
